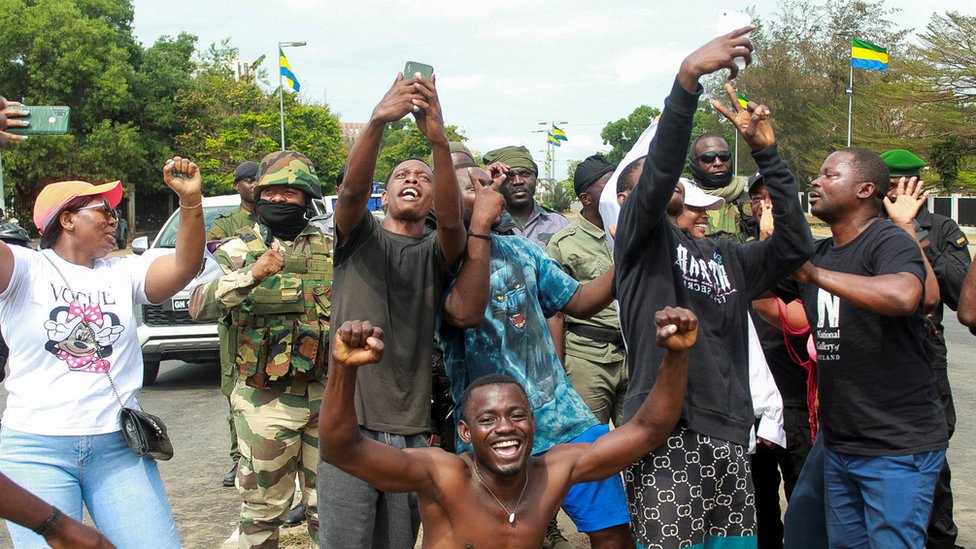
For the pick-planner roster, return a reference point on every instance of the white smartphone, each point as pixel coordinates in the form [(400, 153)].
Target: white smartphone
[(729, 21)]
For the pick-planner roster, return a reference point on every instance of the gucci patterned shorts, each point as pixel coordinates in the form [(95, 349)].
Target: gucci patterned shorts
[(691, 489)]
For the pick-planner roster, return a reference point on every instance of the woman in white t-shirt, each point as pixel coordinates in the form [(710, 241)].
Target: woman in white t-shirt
[(61, 434)]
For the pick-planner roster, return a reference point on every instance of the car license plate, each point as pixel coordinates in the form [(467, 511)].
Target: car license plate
[(181, 304)]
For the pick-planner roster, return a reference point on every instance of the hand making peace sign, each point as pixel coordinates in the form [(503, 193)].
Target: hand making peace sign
[(751, 122)]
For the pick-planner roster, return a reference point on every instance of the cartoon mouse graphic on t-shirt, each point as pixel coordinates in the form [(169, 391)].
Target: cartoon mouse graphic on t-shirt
[(71, 340)]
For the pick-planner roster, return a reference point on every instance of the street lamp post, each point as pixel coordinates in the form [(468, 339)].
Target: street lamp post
[(281, 86), (850, 87), (551, 150)]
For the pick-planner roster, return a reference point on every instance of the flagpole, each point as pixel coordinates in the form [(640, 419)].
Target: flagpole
[(735, 157), (850, 102), (552, 162), (850, 85), (281, 85), (281, 101)]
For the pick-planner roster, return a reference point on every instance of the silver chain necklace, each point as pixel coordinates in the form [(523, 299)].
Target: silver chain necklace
[(511, 514)]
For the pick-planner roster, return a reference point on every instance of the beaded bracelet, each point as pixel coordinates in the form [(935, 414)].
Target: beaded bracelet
[(49, 523)]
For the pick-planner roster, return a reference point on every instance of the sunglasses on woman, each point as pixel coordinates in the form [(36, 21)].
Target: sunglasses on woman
[(709, 157), (106, 212)]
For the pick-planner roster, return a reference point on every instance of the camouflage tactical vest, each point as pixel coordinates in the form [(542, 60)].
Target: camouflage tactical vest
[(282, 326)]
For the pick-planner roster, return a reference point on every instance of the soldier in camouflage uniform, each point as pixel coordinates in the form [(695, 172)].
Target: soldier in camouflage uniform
[(225, 226), (277, 287)]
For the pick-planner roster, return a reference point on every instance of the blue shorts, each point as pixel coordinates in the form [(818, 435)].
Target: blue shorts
[(598, 505)]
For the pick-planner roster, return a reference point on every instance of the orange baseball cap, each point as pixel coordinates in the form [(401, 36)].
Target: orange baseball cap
[(54, 196)]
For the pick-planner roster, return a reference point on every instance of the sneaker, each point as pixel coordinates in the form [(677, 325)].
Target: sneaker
[(554, 538), (231, 476)]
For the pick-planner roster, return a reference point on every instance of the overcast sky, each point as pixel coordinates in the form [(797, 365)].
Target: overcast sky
[(502, 66)]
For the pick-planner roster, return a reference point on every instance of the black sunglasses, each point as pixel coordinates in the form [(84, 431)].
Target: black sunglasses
[(709, 157)]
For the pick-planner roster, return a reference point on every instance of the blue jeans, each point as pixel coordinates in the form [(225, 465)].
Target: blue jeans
[(879, 502), (123, 493)]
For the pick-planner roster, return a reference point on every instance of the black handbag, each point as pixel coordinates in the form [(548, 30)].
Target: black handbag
[(146, 434), (143, 432)]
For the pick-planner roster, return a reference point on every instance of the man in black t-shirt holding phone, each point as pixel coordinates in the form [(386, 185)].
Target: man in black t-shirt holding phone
[(863, 290)]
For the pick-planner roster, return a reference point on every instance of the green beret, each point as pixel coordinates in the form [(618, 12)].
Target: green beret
[(902, 163), (514, 157)]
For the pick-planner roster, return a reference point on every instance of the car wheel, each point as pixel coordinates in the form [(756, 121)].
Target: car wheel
[(150, 370)]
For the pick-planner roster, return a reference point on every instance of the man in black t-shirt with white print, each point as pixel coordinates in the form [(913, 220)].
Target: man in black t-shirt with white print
[(863, 291)]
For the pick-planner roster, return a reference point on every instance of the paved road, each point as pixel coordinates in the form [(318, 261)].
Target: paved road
[(187, 397)]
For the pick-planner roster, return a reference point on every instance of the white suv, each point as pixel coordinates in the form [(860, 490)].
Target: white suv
[(166, 331)]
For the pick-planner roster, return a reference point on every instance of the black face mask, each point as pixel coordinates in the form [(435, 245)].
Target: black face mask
[(707, 180), (285, 220)]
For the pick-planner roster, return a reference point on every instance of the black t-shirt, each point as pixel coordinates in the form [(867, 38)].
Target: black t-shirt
[(790, 377), (877, 389), (395, 282), (660, 265)]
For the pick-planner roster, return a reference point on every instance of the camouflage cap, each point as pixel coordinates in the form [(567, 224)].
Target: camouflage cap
[(288, 168)]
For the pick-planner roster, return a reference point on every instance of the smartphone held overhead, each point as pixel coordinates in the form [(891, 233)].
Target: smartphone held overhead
[(414, 69), (729, 21), (42, 120)]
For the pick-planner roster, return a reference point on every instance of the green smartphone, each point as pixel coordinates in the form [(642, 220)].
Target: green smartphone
[(414, 69), (44, 120)]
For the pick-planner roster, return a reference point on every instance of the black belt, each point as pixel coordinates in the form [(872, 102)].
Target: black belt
[(595, 333)]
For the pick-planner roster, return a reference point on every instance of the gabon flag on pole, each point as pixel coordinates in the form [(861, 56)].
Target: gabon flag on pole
[(865, 55), (286, 72)]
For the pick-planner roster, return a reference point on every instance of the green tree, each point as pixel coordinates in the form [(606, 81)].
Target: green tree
[(623, 133), (801, 68), (560, 197), (945, 159), (77, 53), (225, 121), (403, 139)]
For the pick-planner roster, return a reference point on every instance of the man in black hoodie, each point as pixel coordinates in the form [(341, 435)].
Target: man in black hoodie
[(697, 485)]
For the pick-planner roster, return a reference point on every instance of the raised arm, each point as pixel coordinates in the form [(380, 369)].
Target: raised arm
[(677, 331), (171, 273), (465, 304), (767, 262), (645, 208), (447, 197), (358, 181), (902, 212), (358, 343)]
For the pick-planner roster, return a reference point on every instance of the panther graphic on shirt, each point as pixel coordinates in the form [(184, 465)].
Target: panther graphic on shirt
[(704, 276), (78, 333)]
